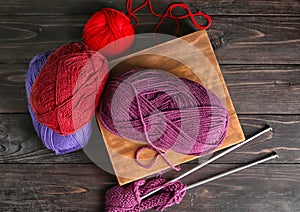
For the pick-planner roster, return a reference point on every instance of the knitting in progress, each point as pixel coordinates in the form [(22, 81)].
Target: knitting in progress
[(139, 91), (158, 193), (128, 198)]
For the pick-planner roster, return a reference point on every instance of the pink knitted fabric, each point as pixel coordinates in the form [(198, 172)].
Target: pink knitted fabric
[(128, 198)]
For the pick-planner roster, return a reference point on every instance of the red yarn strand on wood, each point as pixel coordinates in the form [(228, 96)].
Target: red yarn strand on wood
[(169, 14)]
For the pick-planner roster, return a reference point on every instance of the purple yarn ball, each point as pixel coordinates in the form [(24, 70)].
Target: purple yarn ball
[(165, 111), (52, 140)]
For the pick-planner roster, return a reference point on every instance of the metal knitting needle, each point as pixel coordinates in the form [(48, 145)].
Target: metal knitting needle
[(210, 160), (274, 155)]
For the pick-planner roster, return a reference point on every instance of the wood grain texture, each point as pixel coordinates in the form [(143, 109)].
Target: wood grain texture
[(284, 139), (261, 89), (258, 40), (249, 40), (225, 7), (12, 88), (53, 187), (20, 144), (250, 87), (258, 48), (65, 187)]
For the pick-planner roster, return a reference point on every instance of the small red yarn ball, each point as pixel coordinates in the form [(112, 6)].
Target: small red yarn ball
[(67, 91), (105, 27)]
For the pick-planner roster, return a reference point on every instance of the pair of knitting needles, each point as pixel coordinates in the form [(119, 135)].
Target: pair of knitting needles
[(272, 156)]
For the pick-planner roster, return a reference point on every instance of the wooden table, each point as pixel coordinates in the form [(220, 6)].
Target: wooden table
[(257, 45)]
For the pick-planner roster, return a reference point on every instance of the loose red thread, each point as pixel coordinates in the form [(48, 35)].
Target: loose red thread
[(169, 14)]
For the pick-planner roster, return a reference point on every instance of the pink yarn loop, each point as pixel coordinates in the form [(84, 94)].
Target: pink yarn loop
[(154, 159)]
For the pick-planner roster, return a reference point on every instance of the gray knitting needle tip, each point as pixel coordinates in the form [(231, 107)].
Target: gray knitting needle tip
[(273, 156), (230, 149)]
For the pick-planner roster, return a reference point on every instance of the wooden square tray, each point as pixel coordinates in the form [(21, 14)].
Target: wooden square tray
[(191, 57)]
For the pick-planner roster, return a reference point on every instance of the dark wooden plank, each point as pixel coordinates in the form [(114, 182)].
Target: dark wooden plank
[(66, 187), (19, 142), (227, 7), (240, 7), (22, 37), (53, 187), (254, 89), (284, 139), (259, 89), (257, 40), (12, 88), (249, 40)]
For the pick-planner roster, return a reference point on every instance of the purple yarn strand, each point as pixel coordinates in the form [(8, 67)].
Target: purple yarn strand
[(52, 140)]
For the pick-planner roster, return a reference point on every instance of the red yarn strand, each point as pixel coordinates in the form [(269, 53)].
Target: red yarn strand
[(169, 14), (131, 13)]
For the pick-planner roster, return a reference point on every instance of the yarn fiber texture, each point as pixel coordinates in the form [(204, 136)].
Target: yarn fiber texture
[(52, 140), (67, 90), (105, 27), (128, 198), (109, 25), (169, 113)]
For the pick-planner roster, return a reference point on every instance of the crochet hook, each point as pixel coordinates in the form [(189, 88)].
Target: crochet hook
[(210, 160)]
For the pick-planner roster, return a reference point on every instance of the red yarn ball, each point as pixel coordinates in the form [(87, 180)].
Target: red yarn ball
[(105, 27), (67, 91)]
